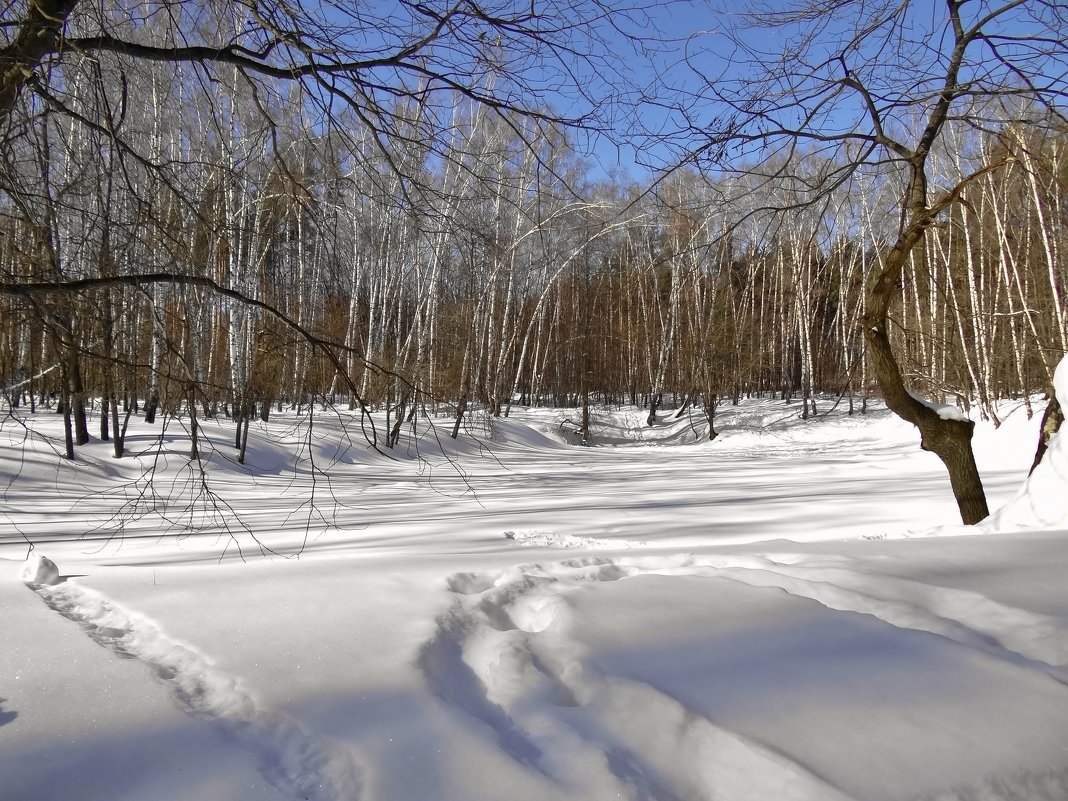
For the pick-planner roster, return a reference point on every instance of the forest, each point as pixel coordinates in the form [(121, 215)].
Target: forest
[(198, 237)]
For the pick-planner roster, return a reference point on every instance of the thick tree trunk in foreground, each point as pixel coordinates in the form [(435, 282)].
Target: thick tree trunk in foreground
[(949, 439), (38, 35)]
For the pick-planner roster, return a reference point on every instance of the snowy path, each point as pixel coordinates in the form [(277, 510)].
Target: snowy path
[(300, 766)]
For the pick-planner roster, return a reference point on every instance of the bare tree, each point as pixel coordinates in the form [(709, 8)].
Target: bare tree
[(872, 86)]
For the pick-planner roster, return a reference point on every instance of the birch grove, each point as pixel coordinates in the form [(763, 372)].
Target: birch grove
[(247, 241)]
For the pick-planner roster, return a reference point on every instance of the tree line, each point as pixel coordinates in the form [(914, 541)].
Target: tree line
[(508, 274)]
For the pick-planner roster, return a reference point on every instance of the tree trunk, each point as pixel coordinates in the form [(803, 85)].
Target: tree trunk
[(948, 439), (119, 440), (654, 405), (194, 432), (68, 431), (38, 35), (1052, 420), (711, 401), (461, 407), (393, 437), (76, 400), (105, 408), (585, 432), (242, 434)]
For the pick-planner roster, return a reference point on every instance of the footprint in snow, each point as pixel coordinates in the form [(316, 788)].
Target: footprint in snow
[(470, 583), (505, 660), (295, 762)]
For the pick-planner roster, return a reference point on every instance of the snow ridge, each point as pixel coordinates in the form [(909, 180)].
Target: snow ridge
[(968, 618), (294, 762)]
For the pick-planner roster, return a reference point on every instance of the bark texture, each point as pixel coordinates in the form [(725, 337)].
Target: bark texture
[(1052, 420), (39, 34), (949, 439)]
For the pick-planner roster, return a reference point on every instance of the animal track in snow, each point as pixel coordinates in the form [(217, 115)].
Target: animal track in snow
[(292, 760)]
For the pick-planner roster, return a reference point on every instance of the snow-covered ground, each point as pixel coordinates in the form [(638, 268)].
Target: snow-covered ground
[(511, 616)]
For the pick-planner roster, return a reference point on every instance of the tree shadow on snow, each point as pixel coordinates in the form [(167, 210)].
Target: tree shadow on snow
[(6, 716)]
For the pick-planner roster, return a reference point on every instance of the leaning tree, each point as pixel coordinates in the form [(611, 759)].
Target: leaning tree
[(868, 90)]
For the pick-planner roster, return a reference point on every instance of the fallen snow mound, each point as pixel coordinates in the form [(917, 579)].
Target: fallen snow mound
[(38, 569), (1042, 501)]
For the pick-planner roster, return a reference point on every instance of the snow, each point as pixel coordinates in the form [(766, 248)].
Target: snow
[(1041, 501), (943, 410), (513, 616), (39, 569), (557, 539)]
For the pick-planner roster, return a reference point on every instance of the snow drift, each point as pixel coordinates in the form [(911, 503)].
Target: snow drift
[(1042, 501)]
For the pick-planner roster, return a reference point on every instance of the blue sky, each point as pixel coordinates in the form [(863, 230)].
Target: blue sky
[(694, 32)]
